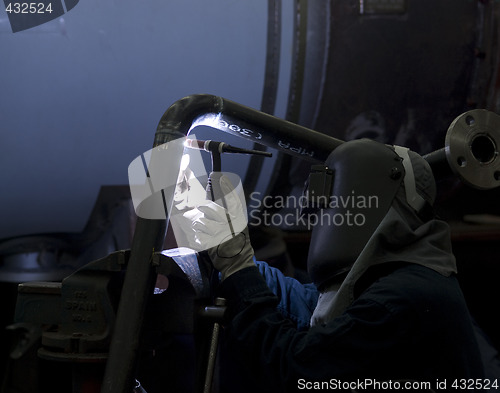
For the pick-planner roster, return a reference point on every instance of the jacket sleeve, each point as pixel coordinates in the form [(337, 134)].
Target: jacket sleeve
[(296, 300)]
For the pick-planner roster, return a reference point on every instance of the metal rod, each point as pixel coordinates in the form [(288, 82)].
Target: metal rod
[(212, 354)]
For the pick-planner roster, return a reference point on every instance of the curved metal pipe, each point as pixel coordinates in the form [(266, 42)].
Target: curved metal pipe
[(245, 122), (471, 147)]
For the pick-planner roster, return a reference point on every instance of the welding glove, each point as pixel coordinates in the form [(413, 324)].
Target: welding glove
[(220, 227)]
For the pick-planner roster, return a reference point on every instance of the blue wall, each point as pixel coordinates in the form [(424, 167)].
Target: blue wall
[(81, 96)]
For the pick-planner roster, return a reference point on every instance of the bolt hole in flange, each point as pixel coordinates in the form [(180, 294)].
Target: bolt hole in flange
[(461, 161), (470, 120)]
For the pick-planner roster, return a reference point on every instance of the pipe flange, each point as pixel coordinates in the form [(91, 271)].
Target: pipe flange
[(472, 144)]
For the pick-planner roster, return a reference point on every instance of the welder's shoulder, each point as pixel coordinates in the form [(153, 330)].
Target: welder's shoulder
[(413, 288)]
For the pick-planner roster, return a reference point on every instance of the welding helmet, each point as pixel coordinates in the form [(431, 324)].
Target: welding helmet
[(361, 178)]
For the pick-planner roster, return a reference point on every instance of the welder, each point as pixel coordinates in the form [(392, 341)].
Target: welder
[(389, 307)]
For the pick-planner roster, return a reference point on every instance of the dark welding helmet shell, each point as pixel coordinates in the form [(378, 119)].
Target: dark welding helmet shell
[(367, 176)]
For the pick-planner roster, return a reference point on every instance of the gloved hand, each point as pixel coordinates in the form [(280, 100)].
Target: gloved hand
[(222, 227)]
